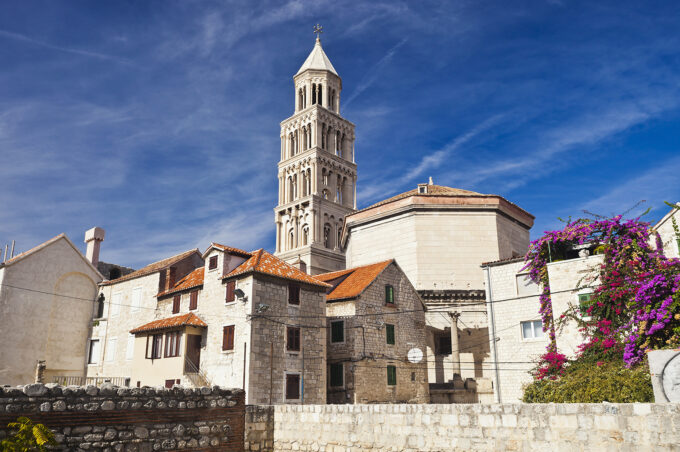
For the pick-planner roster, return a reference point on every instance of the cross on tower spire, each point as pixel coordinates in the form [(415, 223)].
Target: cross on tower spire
[(318, 29)]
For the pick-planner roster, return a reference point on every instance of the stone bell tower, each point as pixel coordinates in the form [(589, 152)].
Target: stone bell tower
[(317, 173)]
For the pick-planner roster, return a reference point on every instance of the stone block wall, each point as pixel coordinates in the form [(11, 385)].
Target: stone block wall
[(111, 418), (498, 427)]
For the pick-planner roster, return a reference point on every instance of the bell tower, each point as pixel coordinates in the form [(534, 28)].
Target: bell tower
[(317, 173)]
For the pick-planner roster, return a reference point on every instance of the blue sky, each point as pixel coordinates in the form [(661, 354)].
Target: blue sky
[(159, 120)]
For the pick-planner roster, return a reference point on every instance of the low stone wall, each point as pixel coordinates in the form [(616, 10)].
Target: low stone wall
[(110, 418), (524, 427)]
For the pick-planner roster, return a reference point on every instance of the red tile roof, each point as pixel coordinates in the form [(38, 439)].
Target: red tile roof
[(263, 262), (231, 250), (352, 282), (193, 279), (432, 190), (152, 268), (189, 319)]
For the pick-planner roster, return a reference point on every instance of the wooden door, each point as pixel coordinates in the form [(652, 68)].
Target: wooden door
[(194, 351)]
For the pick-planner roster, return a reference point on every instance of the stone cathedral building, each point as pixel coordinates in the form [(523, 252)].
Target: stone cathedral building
[(317, 173)]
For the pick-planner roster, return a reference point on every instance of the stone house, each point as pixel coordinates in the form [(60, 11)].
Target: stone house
[(46, 306), (440, 236), (226, 317), (667, 231), (515, 326), (376, 336)]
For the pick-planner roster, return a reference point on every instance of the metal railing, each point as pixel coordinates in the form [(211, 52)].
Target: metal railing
[(197, 377), (69, 380)]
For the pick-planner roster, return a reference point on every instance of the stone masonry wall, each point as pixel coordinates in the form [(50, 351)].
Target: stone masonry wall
[(111, 418), (458, 427)]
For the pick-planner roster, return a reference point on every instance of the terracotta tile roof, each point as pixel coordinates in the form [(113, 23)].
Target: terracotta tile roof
[(432, 190), (231, 250), (263, 262), (193, 279), (189, 319), (352, 282), (152, 268)]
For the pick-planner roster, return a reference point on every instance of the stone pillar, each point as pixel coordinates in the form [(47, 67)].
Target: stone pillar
[(455, 349), (314, 176), (296, 221), (312, 227), (278, 236)]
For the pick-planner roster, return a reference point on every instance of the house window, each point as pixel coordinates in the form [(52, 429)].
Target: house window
[(389, 334), (391, 375), (156, 347), (584, 302), (169, 383), (212, 263), (93, 354), (422, 189), (175, 303), (525, 286), (172, 341), (293, 294), (231, 287), (292, 338), (338, 331), (193, 300), (532, 329), (389, 294), (130, 350), (136, 299), (111, 350), (228, 337), (292, 386), (114, 308), (337, 374)]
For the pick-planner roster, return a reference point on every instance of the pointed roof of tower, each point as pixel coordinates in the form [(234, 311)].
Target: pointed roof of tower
[(318, 60)]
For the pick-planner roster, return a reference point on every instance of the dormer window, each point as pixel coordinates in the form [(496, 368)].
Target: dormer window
[(422, 189)]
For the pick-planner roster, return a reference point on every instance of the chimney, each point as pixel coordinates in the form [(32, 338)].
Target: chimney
[(300, 264), (93, 238)]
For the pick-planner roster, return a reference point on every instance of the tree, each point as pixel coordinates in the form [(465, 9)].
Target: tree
[(27, 436)]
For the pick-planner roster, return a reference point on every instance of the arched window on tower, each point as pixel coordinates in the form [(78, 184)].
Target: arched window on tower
[(339, 235), (305, 192), (320, 97), (301, 101), (309, 181), (327, 235), (291, 189), (291, 240), (295, 186), (342, 145), (338, 191), (323, 136), (337, 144), (304, 138), (324, 176), (325, 193), (305, 235), (313, 93)]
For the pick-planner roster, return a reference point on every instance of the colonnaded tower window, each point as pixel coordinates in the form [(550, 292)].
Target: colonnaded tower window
[(317, 171)]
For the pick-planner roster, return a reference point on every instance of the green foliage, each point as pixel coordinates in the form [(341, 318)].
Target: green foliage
[(27, 437), (593, 382)]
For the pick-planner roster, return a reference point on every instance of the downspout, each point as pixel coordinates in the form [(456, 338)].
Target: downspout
[(492, 322)]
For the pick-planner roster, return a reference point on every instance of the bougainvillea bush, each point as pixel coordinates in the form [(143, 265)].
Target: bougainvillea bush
[(635, 307)]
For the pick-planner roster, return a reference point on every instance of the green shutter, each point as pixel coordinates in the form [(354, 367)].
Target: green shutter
[(389, 334), (389, 294), (336, 374), (337, 331), (391, 375)]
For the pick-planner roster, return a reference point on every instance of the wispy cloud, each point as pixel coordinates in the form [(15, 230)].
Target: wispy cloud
[(85, 53), (373, 73)]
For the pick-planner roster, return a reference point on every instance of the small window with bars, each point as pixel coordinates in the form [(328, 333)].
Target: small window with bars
[(338, 331), (337, 375), (292, 386), (389, 294), (293, 338), (389, 334), (391, 375)]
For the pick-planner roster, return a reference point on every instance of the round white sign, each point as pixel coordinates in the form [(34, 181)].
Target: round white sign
[(415, 355)]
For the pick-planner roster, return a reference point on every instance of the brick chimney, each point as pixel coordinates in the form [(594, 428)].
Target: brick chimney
[(93, 238)]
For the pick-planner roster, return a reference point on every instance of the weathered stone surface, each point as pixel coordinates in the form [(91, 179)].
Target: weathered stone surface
[(35, 390)]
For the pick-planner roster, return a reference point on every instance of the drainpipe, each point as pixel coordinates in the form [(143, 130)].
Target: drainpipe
[(492, 322)]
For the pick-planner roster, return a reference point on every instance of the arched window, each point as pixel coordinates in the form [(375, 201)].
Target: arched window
[(323, 136), (320, 97), (304, 184), (342, 145), (301, 103), (339, 235), (291, 240), (304, 138), (291, 145), (324, 176), (327, 235), (337, 143), (305, 235), (295, 184), (309, 181), (313, 93), (325, 194)]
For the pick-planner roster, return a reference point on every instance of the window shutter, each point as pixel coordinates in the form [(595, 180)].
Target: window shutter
[(228, 338), (175, 303), (389, 334), (293, 294), (293, 339), (391, 375), (292, 387), (212, 264), (231, 286)]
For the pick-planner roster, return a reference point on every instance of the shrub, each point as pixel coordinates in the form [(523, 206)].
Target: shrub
[(27, 436), (593, 382)]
